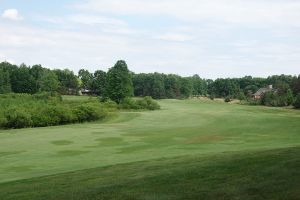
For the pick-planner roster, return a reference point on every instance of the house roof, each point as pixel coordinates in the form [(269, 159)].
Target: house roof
[(262, 91)]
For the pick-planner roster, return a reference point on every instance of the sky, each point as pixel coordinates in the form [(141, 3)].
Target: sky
[(212, 38)]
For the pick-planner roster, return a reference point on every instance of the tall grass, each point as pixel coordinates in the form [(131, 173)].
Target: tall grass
[(40, 110)]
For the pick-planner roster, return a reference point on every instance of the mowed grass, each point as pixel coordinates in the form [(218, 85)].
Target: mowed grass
[(191, 148), (272, 174)]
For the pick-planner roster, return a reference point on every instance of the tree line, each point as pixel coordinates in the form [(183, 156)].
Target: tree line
[(118, 83), (34, 79)]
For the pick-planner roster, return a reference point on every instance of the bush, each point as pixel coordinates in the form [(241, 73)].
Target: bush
[(278, 100), (129, 103), (146, 103), (3, 121), (290, 97), (297, 102), (17, 118), (111, 105), (242, 96), (89, 112), (23, 110), (227, 99)]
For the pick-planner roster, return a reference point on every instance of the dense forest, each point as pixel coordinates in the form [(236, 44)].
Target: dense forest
[(119, 83)]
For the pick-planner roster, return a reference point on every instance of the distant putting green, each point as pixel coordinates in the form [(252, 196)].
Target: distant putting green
[(180, 128)]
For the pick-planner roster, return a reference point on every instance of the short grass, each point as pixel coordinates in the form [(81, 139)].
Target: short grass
[(197, 149), (272, 174)]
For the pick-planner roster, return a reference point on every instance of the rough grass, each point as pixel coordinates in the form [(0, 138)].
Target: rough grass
[(197, 149)]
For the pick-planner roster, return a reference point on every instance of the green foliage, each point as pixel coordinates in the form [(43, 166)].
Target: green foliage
[(272, 99), (3, 120), (5, 86), (242, 96), (110, 104), (160, 86), (185, 88), (26, 79), (227, 99), (68, 82), (152, 84), (46, 109), (278, 99), (199, 86), (119, 82), (225, 87), (17, 118), (88, 112), (295, 85), (297, 101), (22, 81), (128, 103), (86, 78), (289, 97), (146, 103), (100, 83), (49, 82)]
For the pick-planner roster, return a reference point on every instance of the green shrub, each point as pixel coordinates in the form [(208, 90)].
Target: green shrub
[(3, 121), (278, 98), (84, 113), (17, 118), (146, 103), (129, 103), (89, 112), (290, 97), (242, 96), (227, 99), (297, 102), (111, 105), (40, 110), (42, 121)]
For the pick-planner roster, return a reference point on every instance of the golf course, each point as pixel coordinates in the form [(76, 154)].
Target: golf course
[(189, 149)]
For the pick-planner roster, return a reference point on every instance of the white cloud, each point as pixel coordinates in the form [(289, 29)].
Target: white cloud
[(175, 37), (283, 12), (83, 21), (94, 20), (93, 50), (62, 48), (214, 38), (12, 14)]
